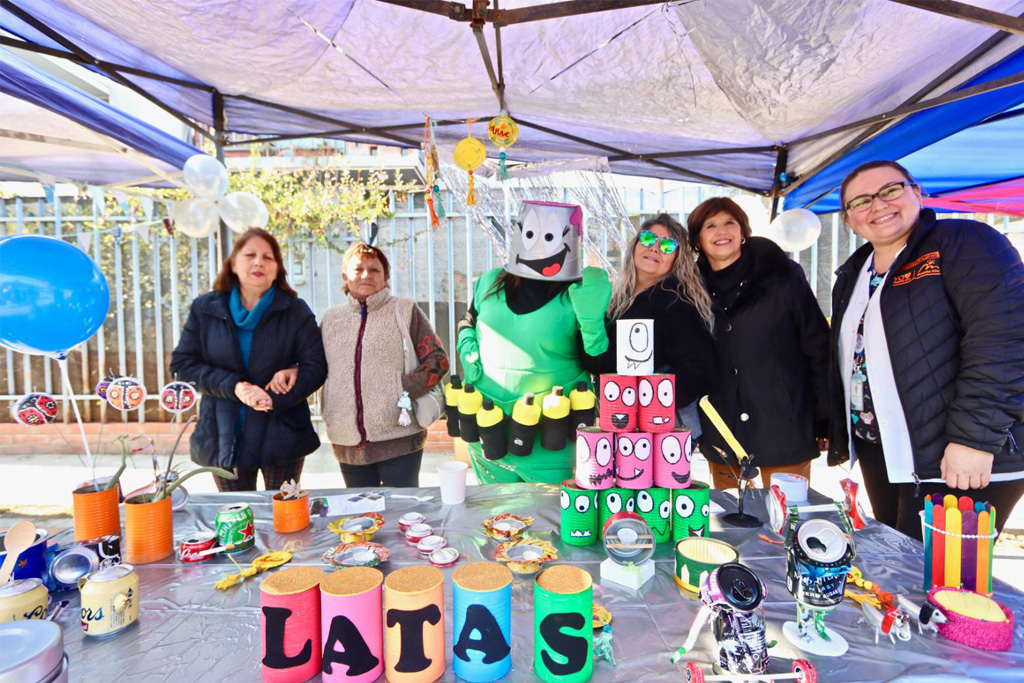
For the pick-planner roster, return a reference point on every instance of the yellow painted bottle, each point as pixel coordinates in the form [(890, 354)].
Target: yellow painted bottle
[(582, 402), (523, 430), (469, 404), (554, 430), (452, 391), (491, 423)]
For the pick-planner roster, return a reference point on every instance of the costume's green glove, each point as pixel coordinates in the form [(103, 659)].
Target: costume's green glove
[(590, 297), (469, 352)]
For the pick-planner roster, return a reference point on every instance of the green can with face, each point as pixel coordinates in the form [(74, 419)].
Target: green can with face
[(655, 506), (611, 501), (691, 509), (579, 514)]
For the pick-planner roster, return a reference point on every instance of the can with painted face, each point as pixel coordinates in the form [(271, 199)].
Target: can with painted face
[(235, 524), (23, 599), (110, 600)]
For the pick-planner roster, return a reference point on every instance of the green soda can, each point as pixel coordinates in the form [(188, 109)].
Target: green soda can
[(235, 525)]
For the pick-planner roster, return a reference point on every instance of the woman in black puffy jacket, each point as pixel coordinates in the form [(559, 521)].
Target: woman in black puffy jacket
[(253, 350), (927, 378)]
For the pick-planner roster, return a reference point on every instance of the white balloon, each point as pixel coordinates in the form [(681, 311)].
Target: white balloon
[(197, 217), (243, 210), (795, 229), (756, 212), (205, 176)]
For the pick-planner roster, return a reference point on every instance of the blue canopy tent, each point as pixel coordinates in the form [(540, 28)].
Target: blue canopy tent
[(50, 127), (768, 96)]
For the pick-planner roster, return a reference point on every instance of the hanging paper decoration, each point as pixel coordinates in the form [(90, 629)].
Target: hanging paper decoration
[(503, 132), (470, 154), (103, 385), (177, 397), (126, 393), (433, 171), (34, 410)]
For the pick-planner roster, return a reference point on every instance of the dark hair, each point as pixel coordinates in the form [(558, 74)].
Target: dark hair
[(871, 165), (361, 250), (226, 278), (708, 208)]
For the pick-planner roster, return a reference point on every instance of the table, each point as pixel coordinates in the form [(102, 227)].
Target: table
[(189, 632)]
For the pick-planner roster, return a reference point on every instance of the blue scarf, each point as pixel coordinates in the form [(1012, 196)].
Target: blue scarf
[(246, 321)]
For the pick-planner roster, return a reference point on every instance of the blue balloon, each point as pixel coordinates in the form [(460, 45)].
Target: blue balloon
[(52, 295)]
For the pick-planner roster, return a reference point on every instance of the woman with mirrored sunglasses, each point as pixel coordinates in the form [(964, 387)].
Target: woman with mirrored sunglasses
[(927, 374), (772, 344), (659, 281)]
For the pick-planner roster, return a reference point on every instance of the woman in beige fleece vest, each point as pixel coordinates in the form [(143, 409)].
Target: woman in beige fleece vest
[(366, 375)]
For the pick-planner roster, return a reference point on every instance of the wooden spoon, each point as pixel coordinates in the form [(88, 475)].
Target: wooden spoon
[(18, 539)]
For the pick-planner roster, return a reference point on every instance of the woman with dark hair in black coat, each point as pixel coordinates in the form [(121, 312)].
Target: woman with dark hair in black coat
[(772, 344), (253, 350)]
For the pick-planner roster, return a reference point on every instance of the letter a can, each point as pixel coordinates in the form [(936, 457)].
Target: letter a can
[(235, 524), (481, 621)]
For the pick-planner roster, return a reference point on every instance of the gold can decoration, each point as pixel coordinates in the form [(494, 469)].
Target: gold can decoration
[(110, 600), (23, 599), (358, 528), (361, 554), (525, 555), (503, 132), (506, 526), (470, 155)]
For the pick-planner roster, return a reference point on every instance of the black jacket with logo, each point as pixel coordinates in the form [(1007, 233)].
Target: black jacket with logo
[(208, 355), (953, 310)]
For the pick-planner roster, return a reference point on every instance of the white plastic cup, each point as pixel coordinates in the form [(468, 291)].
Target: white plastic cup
[(452, 475)]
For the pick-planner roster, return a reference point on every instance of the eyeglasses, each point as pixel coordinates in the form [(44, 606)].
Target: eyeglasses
[(886, 194), (666, 245)]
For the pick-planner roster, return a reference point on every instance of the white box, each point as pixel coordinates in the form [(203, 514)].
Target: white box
[(630, 577)]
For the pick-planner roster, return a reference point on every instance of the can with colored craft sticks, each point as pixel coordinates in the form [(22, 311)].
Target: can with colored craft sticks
[(481, 621)]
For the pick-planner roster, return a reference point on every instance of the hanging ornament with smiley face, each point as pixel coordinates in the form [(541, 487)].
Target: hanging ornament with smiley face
[(126, 393), (595, 461), (673, 453), (34, 410), (470, 155), (634, 467), (691, 509), (611, 501), (618, 403), (634, 347), (579, 514), (177, 397), (655, 506), (656, 395), (546, 242)]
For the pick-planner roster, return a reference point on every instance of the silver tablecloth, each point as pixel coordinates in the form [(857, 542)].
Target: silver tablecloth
[(190, 633)]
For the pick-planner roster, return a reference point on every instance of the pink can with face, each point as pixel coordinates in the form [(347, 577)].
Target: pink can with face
[(656, 395), (618, 403), (634, 466), (595, 461), (673, 452)]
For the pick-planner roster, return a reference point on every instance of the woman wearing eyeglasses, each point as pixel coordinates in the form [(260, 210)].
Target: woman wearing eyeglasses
[(659, 281), (772, 343), (927, 377)]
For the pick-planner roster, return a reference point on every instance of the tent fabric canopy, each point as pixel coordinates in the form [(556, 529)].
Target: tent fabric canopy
[(52, 128), (1003, 198), (726, 89)]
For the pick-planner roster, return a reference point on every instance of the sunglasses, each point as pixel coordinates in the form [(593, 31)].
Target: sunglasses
[(666, 245)]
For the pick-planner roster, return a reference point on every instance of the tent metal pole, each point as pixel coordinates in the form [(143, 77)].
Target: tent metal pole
[(653, 162), (54, 35), (498, 88), (100, 63), (977, 15), (459, 12), (778, 182), (337, 132), (968, 59), (219, 124), (693, 153)]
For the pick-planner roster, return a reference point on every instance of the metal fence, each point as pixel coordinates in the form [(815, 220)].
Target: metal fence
[(154, 278)]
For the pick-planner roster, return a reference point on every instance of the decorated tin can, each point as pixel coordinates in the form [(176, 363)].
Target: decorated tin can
[(193, 545), (235, 525), (71, 564), (417, 532), (110, 600), (23, 599), (408, 519)]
